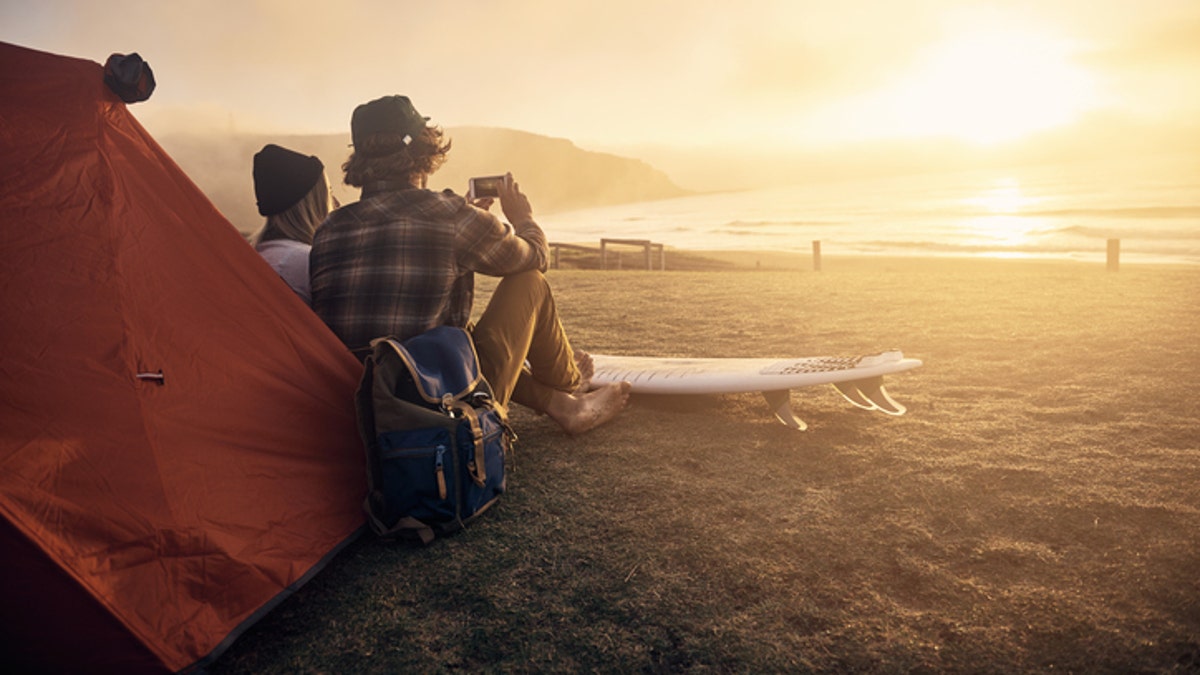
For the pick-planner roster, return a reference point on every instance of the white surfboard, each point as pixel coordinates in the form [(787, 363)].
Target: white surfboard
[(858, 378)]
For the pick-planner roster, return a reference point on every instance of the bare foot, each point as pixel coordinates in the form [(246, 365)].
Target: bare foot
[(577, 413), (583, 361)]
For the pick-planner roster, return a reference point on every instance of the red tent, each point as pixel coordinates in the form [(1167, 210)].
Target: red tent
[(178, 449)]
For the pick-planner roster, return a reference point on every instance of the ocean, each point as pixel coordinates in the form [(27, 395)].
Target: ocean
[(1065, 211)]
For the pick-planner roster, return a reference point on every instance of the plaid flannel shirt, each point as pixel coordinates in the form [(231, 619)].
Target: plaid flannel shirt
[(401, 261)]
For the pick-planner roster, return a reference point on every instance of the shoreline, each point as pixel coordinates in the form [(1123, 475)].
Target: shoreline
[(805, 259), (678, 259)]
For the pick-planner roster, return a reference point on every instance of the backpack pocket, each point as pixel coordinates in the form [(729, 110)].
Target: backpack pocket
[(477, 498), (418, 468)]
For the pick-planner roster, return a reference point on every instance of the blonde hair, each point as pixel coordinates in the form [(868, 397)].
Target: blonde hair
[(299, 222)]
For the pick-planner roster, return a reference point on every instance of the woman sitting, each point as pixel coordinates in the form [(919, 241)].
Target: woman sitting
[(293, 193)]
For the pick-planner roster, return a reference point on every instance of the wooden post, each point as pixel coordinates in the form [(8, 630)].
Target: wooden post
[(1114, 255), (648, 249), (816, 256)]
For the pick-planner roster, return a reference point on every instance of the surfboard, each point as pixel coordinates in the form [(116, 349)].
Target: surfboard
[(859, 379)]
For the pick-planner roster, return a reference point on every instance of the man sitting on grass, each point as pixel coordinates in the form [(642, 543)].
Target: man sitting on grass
[(402, 260)]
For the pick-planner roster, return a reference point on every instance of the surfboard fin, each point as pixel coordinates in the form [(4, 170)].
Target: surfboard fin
[(780, 402), (851, 393), (869, 394)]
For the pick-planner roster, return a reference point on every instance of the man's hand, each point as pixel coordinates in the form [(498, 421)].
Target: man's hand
[(484, 203), (514, 203)]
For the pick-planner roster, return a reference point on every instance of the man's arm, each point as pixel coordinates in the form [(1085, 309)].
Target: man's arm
[(494, 248)]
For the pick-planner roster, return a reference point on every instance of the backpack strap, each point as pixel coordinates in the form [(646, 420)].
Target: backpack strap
[(405, 524), (477, 467)]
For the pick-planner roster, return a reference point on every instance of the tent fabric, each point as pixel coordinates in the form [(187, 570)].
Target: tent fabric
[(178, 446)]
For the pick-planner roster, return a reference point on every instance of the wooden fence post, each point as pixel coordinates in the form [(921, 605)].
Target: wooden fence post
[(816, 256)]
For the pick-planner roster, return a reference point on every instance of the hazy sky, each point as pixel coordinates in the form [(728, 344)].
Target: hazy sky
[(623, 72)]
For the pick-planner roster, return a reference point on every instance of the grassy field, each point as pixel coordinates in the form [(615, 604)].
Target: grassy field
[(1037, 510)]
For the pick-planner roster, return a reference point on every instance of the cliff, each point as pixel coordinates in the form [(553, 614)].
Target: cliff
[(555, 173)]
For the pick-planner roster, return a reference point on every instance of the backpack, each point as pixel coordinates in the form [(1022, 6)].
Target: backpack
[(435, 439)]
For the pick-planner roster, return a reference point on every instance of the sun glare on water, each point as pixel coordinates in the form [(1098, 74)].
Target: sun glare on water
[(1003, 197), (1003, 220)]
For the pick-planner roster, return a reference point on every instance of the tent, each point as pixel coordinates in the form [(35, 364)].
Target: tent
[(178, 450)]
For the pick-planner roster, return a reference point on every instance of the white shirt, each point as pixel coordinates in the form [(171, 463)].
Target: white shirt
[(289, 259)]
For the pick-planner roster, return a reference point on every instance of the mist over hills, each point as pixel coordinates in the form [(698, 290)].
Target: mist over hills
[(556, 174), (1097, 136), (560, 176)]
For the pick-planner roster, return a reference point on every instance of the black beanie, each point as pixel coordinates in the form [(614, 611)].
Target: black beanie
[(282, 178)]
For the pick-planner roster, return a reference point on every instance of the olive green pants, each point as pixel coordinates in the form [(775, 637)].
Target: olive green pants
[(523, 350)]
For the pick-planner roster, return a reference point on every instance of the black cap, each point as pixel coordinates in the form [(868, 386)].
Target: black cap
[(282, 178), (390, 114)]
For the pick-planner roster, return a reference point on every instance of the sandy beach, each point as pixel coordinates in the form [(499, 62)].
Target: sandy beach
[(1037, 509)]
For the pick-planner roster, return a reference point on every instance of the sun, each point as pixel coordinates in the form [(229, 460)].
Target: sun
[(992, 86), (985, 84)]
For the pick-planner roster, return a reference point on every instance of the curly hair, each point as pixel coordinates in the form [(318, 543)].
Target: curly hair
[(388, 157)]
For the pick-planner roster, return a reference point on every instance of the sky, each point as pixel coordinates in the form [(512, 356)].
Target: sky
[(620, 73)]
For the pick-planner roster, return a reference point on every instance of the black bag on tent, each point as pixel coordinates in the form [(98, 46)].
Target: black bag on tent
[(129, 77), (435, 440)]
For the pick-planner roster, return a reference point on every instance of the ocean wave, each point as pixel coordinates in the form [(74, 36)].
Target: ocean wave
[(1124, 212), (1149, 234), (769, 227), (1044, 248), (946, 247)]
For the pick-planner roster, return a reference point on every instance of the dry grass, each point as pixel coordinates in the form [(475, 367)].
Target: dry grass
[(1038, 509)]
